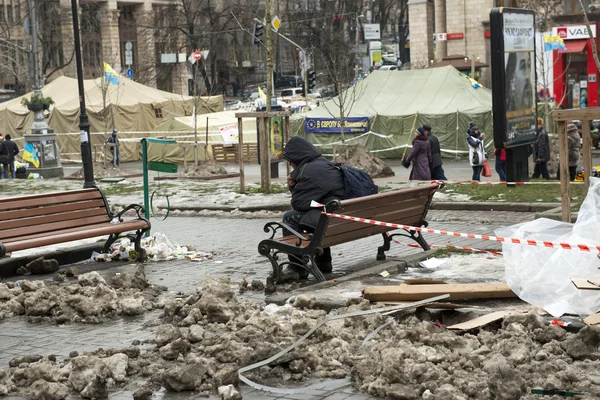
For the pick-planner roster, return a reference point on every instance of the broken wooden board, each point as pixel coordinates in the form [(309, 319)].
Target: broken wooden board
[(593, 319), (456, 292), (483, 320), (586, 283), (440, 306)]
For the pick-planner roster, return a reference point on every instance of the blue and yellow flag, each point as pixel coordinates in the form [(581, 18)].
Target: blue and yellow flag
[(553, 42), (30, 154), (110, 75)]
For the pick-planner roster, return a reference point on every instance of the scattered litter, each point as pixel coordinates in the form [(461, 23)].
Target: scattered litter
[(559, 323), (556, 392), (593, 319), (432, 263), (586, 283), (158, 247), (385, 274)]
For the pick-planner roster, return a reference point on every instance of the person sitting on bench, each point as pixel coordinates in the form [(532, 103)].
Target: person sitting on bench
[(313, 178)]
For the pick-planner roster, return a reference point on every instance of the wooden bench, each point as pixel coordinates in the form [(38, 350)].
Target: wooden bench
[(32, 221), (405, 207)]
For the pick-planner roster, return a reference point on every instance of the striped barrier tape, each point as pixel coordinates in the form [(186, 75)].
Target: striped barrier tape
[(505, 183), (433, 246), (555, 245)]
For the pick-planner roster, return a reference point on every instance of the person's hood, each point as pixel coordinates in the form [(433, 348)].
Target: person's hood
[(299, 150)]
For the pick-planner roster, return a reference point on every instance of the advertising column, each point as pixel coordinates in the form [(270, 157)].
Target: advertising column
[(513, 85)]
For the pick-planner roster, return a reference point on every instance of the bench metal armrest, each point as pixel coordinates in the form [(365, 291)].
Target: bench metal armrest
[(273, 227), (138, 209)]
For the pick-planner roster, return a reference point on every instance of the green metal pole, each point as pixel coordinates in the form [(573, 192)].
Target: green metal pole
[(145, 171)]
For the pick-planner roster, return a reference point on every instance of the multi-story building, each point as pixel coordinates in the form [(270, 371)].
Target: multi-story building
[(153, 38), (569, 75)]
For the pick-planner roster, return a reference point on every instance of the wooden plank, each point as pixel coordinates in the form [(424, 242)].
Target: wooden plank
[(44, 210), (75, 234), (423, 282), (381, 213), (586, 283), (241, 155), (385, 196), (265, 164), (46, 219), (48, 198), (565, 193), (456, 292), (435, 305), (587, 153), (483, 320), (576, 114)]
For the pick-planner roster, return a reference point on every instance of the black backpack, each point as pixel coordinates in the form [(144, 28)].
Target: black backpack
[(357, 183)]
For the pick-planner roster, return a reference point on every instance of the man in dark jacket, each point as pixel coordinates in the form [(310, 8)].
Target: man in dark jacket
[(8, 151), (313, 178), (437, 172), (541, 152), (115, 151)]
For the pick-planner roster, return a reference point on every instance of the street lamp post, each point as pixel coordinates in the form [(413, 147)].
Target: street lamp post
[(356, 49), (84, 123)]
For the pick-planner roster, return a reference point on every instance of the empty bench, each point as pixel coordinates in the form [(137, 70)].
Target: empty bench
[(39, 220), (403, 207)]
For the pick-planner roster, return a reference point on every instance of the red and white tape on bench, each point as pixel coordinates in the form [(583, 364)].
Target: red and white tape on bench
[(505, 183), (433, 246), (555, 245)]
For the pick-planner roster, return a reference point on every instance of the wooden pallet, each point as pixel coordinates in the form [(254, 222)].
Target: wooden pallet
[(229, 153)]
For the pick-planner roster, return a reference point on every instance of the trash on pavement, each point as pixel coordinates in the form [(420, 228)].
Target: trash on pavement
[(542, 276), (432, 262), (385, 274)]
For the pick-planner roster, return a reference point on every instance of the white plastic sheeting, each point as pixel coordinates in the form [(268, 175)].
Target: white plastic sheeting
[(542, 276)]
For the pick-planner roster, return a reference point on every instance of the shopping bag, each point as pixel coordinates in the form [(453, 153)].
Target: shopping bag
[(487, 171)]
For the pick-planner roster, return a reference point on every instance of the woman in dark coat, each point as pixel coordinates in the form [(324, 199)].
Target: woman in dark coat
[(420, 157)]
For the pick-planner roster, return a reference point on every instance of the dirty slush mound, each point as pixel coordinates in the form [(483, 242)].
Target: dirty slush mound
[(204, 338), (359, 157), (88, 299)]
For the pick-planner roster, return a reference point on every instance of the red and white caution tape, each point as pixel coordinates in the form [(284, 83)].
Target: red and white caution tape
[(433, 246), (505, 183), (556, 245)]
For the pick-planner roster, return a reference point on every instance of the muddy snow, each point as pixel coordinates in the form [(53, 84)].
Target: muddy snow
[(203, 338)]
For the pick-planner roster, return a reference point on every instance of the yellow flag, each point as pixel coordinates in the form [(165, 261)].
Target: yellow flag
[(261, 93)]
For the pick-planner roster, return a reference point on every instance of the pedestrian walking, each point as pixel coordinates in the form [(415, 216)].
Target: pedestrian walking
[(437, 171), (420, 157), (574, 145), (114, 150), (313, 178), (500, 155), (541, 152), (8, 151), (476, 151)]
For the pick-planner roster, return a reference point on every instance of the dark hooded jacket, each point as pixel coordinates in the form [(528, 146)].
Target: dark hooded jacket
[(421, 159), (316, 178)]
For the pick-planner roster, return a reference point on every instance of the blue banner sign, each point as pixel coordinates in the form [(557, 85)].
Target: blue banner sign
[(332, 125)]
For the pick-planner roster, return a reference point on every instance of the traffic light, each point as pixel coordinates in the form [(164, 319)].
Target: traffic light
[(257, 33), (312, 80)]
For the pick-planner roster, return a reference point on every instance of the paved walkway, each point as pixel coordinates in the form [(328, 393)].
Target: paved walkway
[(236, 241)]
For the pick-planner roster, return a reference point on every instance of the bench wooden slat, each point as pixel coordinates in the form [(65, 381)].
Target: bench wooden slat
[(68, 235), (90, 193), (59, 198), (46, 219), (52, 226), (50, 209), (376, 213), (408, 216)]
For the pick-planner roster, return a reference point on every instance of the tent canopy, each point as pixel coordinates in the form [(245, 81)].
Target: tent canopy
[(130, 106), (395, 101)]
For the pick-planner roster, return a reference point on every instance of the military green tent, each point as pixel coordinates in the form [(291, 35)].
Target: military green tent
[(394, 102)]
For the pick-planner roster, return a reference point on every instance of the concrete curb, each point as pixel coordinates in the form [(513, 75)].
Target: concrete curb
[(9, 265)]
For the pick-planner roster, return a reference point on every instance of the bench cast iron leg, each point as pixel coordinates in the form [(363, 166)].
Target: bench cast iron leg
[(421, 240), (386, 246), (311, 266)]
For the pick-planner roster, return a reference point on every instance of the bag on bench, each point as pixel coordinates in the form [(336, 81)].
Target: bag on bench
[(357, 183)]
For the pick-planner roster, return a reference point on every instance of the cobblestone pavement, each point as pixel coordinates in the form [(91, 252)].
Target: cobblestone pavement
[(236, 241)]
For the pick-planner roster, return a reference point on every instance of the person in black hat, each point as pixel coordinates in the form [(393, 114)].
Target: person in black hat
[(114, 150), (437, 172)]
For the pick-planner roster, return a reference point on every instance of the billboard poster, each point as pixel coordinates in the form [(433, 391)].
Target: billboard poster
[(229, 133), (332, 125), (276, 137), (513, 76)]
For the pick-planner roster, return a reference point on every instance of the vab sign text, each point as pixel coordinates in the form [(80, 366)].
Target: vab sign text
[(573, 31)]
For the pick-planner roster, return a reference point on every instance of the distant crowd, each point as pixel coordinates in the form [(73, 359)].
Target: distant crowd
[(426, 158)]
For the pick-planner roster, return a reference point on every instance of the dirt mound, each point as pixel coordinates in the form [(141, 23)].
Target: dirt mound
[(359, 157), (101, 172), (205, 169)]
